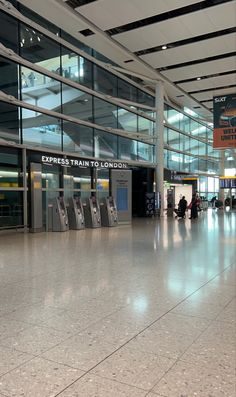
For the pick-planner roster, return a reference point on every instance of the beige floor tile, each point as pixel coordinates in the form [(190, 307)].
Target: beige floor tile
[(198, 309), (164, 342), (95, 386), (10, 359), (220, 332), (38, 378), (181, 324), (229, 313), (82, 351), (11, 327), (186, 379), (212, 354), (34, 340), (33, 314), (134, 367)]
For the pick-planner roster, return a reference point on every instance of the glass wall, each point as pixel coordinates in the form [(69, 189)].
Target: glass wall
[(187, 137), (77, 138), (11, 181)]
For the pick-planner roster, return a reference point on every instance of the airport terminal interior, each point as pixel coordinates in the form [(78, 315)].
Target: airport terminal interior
[(117, 198)]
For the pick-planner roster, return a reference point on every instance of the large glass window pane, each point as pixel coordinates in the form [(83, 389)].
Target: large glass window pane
[(166, 135), (174, 117), (82, 179), (184, 142), (105, 113), (202, 149), (9, 25), (76, 42), (184, 123), (39, 49), (209, 134), (40, 90), (175, 159), (146, 99), (193, 148), (127, 149), (202, 165), (76, 103), (41, 130), (194, 165), (77, 138), (8, 77), (127, 121), (166, 158), (9, 122), (105, 145), (76, 67), (104, 81), (145, 126), (145, 152), (10, 167), (11, 208), (203, 184), (102, 183), (127, 91), (173, 139), (186, 163)]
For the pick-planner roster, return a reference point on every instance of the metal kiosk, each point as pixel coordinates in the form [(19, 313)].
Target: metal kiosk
[(108, 212), (76, 214), (92, 212), (59, 215)]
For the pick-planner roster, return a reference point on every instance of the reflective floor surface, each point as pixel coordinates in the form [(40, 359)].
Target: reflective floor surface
[(133, 311)]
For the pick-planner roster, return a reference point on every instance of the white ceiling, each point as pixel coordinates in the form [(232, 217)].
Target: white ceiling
[(113, 10), (179, 28), (189, 52), (101, 15)]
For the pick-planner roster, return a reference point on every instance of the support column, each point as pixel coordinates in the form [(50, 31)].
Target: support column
[(25, 205), (222, 173), (160, 142)]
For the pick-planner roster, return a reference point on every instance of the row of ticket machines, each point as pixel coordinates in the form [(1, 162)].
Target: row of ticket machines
[(79, 215)]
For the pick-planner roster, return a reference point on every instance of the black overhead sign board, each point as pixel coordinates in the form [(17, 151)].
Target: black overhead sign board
[(83, 163)]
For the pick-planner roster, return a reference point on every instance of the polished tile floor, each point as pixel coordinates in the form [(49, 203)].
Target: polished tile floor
[(133, 311)]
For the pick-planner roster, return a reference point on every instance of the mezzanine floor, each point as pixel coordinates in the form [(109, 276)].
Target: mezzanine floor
[(141, 310)]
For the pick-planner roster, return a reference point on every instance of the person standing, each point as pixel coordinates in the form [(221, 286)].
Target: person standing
[(182, 207), (194, 207)]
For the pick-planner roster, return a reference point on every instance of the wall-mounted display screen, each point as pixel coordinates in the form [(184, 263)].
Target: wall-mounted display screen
[(122, 198), (228, 183)]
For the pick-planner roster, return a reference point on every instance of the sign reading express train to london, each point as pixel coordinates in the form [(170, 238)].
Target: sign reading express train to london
[(68, 162), (224, 122)]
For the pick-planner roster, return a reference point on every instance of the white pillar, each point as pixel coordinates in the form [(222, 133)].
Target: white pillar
[(222, 173), (25, 206), (160, 142)]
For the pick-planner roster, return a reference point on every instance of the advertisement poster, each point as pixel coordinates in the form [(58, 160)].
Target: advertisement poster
[(224, 135)]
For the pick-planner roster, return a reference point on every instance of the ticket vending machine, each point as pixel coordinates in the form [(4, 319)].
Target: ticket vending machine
[(92, 212), (59, 215), (108, 212), (76, 214)]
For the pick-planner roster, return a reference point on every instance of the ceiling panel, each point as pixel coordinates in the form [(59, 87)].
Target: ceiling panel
[(203, 49), (209, 83), (203, 69), (209, 94), (107, 14), (179, 28)]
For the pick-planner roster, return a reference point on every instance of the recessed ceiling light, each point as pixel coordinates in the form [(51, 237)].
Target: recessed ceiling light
[(198, 78), (164, 47)]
